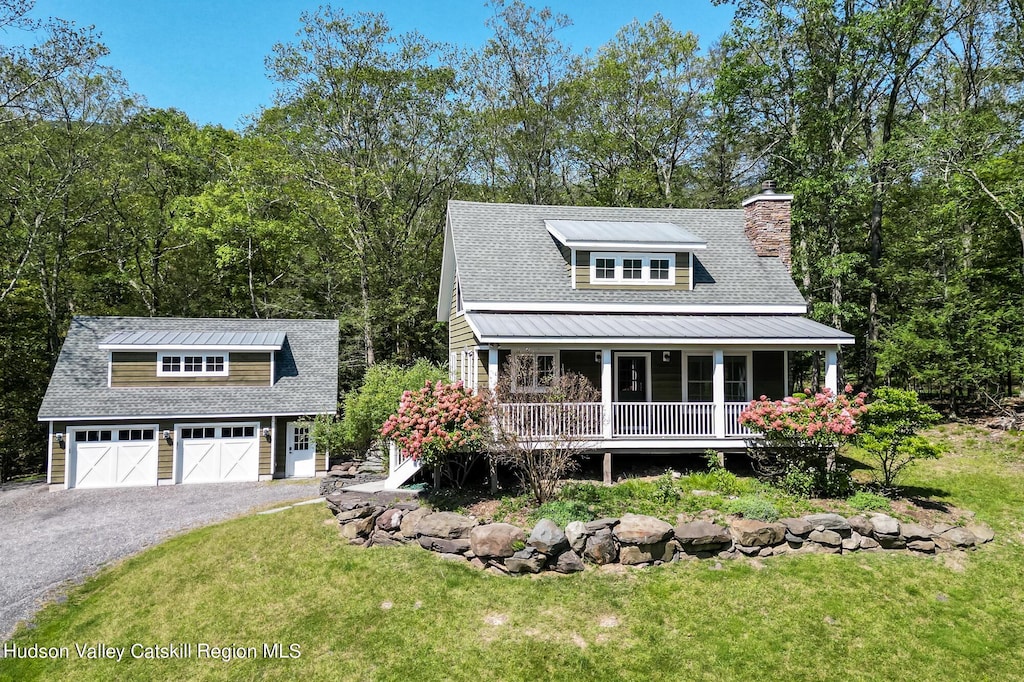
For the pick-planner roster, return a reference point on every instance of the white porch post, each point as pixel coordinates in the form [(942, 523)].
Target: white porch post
[(832, 370), (606, 392), (492, 368), (718, 392)]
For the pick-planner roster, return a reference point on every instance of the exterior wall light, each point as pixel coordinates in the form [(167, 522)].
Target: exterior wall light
[(60, 439), (266, 432)]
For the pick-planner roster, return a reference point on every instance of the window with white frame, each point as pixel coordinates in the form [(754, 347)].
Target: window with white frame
[(632, 268), (735, 378), (462, 367), (700, 378), (196, 363), (536, 371)]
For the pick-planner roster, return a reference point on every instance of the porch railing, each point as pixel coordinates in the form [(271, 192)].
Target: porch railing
[(629, 420), (663, 419), (548, 420), (732, 420)]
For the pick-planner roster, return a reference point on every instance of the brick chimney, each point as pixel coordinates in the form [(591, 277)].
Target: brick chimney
[(766, 218)]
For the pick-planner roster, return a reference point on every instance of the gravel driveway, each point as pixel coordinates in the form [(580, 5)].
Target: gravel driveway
[(48, 539)]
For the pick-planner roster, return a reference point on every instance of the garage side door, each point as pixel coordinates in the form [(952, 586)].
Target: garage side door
[(218, 453), (113, 457)]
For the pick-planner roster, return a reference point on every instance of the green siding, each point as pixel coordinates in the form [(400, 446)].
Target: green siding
[(582, 362), (130, 369), (666, 377)]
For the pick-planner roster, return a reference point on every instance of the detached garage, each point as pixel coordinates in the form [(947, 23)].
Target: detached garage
[(165, 401)]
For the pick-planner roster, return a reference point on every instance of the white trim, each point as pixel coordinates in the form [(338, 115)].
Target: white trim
[(448, 262), (562, 307), (591, 341), (186, 347), (273, 449), (691, 271), (207, 416), (647, 380), (645, 269), (197, 352), (607, 391), (110, 368), (718, 391), (472, 327), (832, 371), (49, 455), (572, 266), (492, 368), (676, 444)]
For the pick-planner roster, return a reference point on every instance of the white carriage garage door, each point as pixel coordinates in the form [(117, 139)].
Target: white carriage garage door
[(113, 456), (218, 453)]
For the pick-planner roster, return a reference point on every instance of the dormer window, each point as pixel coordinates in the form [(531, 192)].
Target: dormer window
[(191, 364), (632, 268)]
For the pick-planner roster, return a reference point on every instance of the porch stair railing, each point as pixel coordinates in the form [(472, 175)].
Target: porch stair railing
[(400, 467)]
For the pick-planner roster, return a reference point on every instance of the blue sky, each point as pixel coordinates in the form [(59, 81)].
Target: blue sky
[(206, 57)]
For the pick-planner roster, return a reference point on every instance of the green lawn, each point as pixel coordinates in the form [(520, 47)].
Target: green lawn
[(405, 614)]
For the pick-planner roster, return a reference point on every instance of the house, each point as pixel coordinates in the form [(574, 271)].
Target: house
[(679, 316), (142, 401)]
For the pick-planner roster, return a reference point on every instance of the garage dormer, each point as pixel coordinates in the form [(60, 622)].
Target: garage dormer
[(626, 254), (173, 358)]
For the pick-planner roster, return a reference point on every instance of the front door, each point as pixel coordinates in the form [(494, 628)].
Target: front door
[(632, 386), (301, 459), (631, 380)]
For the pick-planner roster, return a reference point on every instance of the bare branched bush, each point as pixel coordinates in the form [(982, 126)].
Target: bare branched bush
[(543, 424)]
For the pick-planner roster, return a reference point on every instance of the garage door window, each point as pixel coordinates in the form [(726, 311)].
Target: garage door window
[(237, 432), (199, 432), (134, 434), (93, 436)]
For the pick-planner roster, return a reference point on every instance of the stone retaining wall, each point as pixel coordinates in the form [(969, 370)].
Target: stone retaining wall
[(633, 539)]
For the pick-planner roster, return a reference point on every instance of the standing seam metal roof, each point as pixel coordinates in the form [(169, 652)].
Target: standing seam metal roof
[(194, 338)]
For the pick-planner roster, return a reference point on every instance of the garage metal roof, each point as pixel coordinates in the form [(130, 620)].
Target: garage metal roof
[(174, 339), (638, 329), (622, 234)]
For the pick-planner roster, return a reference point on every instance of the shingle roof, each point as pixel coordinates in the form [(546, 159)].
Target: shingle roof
[(505, 254), (306, 368), (527, 327)]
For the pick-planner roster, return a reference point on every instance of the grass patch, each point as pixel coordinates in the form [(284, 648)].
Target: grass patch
[(405, 614)]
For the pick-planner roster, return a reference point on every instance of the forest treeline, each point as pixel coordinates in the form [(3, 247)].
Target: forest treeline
[(897, 124)]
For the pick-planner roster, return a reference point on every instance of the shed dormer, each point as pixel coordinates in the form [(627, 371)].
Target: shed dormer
[(626, 254), (175, 358)]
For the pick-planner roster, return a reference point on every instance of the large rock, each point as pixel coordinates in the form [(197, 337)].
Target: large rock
[(359, 528), (981, 532), (754, 533), (891, 541), (797, 527), (829, 522), (568, 562), (353, 514), (915, 531), (598, 524), (445, 525), (853, 542), (444, 545), (867, 542), (601, 548), (961, 537), (638, 529), (860, 524), (380, 538), (631, 555), (576, 533), (883, 524), (496, 539), (702, 533), (926, 546), (390, 520), (527, 560), (548, 538), (409, 521), (828, 538)]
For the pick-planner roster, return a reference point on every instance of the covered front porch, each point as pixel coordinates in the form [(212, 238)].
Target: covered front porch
[(654, 397)]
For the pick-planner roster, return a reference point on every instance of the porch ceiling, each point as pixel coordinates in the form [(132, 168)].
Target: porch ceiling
[(788, 330)]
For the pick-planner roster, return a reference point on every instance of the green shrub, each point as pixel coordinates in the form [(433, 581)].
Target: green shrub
[(562, 512), (753, 507), (889, 432), (369, 406), (864, 500)]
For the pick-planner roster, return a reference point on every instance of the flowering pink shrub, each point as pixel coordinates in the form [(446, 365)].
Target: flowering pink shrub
[(821, 420), (437, 420), (801, 436)]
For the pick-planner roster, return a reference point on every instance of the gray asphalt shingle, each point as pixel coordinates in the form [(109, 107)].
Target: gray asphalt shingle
[(306, 367), (505, 254)]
